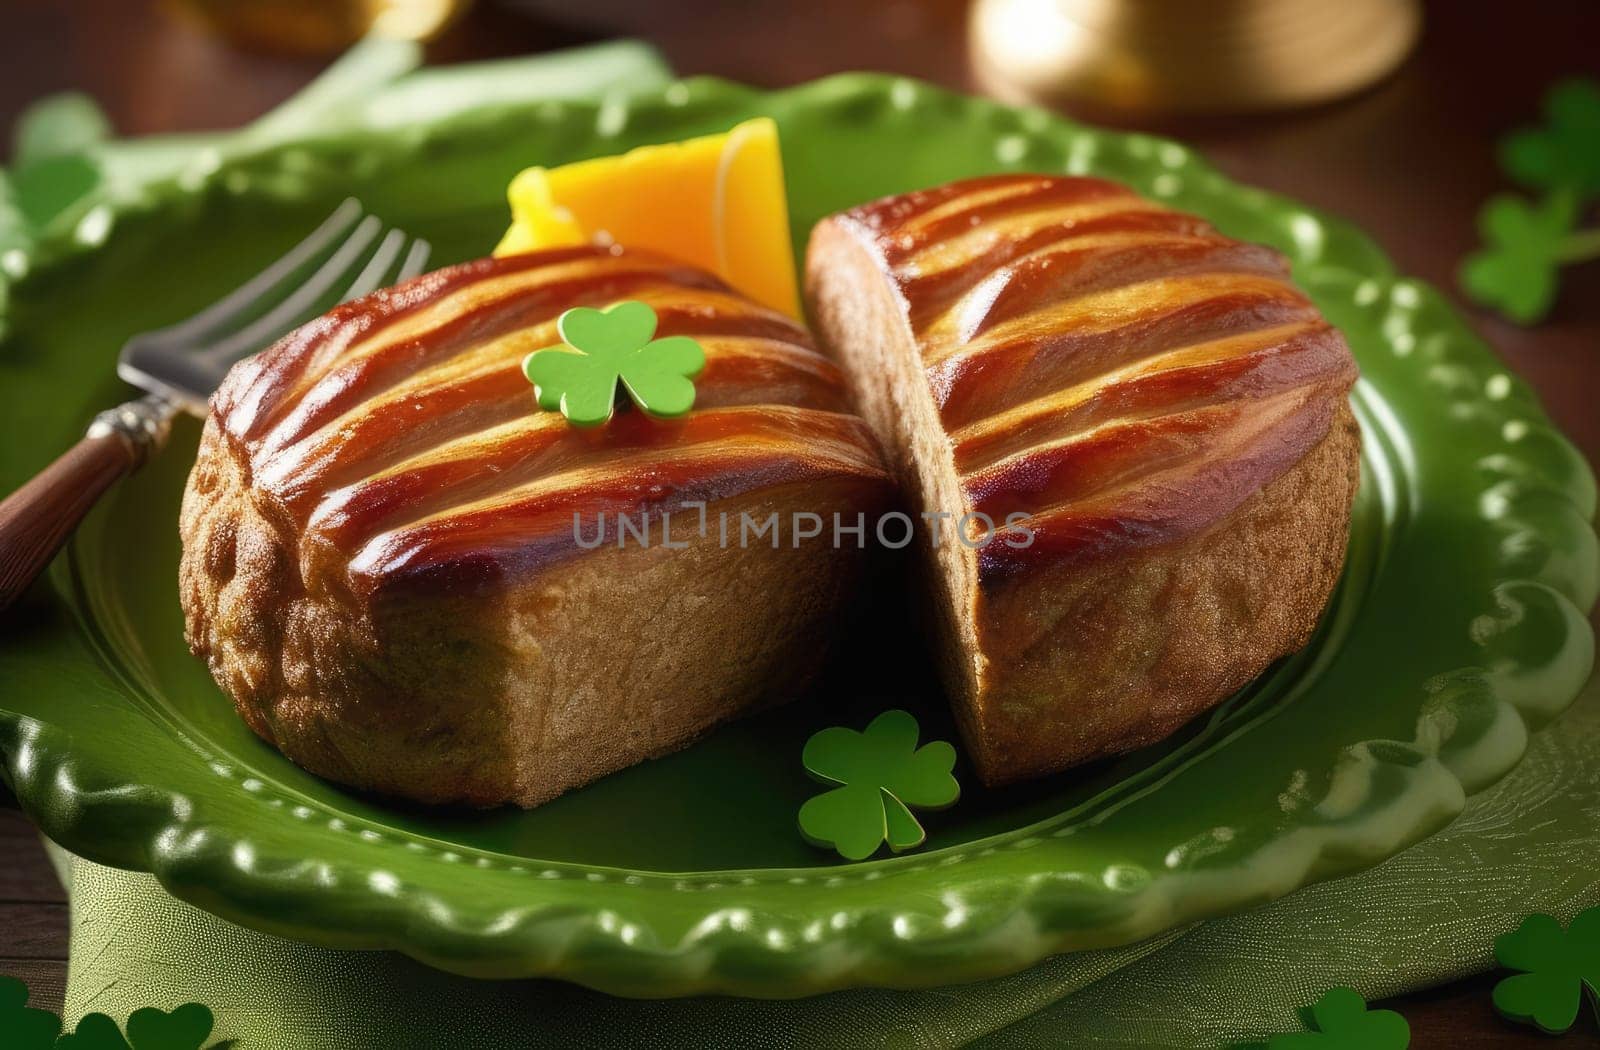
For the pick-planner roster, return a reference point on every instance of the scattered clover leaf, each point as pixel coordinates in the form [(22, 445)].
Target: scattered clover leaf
[(1564, 154), (1526, 244), (602, 347), (1555, 967), (1342, 1022), (59, 126), (1518, 270), (185, 1028), (27, 1028), (881, 772), (53, 155), (94, 1032)]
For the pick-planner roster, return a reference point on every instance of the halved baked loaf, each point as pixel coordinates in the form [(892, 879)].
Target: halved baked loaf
[(381, 563), (1157, 410)]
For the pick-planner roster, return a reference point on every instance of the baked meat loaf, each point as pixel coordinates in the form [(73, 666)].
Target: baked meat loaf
[(380, 559), (1158, 411)]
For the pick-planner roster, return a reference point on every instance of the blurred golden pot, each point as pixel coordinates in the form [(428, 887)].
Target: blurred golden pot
[(318, 27), (1187, 56)]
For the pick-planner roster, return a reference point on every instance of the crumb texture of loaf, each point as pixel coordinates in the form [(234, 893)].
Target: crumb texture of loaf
[(1151, 414), (382, 564)]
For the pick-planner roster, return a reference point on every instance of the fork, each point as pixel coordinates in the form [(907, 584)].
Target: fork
[(180, 366)]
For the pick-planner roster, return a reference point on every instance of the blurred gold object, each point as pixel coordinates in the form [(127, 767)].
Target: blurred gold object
[(1187, 56), (319, 27)]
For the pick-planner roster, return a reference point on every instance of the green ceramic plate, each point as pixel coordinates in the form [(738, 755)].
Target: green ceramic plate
[(1458, 627)]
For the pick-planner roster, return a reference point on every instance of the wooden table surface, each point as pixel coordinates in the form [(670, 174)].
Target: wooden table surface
[(1410, 160)]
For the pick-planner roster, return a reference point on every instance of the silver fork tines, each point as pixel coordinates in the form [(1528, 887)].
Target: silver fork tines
[(180, 366), (185, 362)]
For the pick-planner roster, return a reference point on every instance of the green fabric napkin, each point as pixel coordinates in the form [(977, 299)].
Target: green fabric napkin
[(1426, 916)]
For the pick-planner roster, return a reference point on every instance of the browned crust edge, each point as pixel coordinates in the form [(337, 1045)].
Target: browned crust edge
[(1087, 661), (581, 670), (1086, 658)]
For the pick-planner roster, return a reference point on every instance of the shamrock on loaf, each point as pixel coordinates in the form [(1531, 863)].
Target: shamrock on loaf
[(1526, 245), (1343, 1022), (880, 773), (1556, 965), (1565, 153), (25, 1028), (602, 347)]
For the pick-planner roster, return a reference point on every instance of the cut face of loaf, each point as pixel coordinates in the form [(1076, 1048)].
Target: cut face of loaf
[(1159, 412), (381, 564)]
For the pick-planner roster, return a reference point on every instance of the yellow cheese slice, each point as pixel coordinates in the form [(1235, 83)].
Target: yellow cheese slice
[(717, 202)]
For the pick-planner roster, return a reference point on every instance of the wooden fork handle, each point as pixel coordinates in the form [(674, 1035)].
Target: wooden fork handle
[(36, 520)]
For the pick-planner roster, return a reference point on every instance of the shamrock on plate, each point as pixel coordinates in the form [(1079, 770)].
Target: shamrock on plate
[(1564, 154), (27, 1028), (1525, 247), (880, 774), (603, 347), (1556, 965), (1343, 1022)]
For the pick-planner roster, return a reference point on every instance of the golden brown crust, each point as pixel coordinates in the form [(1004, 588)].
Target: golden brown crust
[(1137, 646), (315, 676), (379, 560), (399, 430), (1161, 407)]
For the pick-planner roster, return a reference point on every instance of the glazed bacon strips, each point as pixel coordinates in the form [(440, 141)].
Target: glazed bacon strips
[(380, 561), (1161, 413)]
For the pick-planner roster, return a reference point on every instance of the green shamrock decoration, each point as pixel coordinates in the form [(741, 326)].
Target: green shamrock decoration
[(1516, 273), (600, 348), (1565, 153), (1556, 966), (27, 1028), (185, 1028), (1519, 269), (1342, 1022), (880, 773), (94, 1032)]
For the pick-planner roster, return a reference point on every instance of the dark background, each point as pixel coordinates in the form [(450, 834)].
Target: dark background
[(1410, 160)]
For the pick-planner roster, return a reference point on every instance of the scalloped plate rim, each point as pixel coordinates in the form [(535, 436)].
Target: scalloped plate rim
[(169, 835)]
